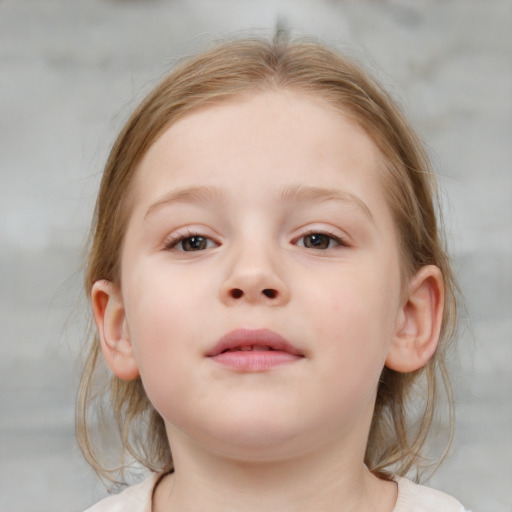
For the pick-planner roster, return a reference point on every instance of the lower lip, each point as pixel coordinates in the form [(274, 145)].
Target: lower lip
[(254, 360)]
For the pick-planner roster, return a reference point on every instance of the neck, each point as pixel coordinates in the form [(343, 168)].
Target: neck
[(327, 479)]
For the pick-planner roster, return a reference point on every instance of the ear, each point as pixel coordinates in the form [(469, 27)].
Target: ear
[(419, 322), (110, 319)]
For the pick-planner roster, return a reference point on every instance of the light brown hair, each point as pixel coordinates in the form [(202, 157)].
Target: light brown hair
[(406, 403)]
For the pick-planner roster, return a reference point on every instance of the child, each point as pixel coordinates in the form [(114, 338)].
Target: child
[(270, 290)]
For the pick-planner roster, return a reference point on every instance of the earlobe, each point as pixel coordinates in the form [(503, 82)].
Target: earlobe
[(419, 322), (109, 315)]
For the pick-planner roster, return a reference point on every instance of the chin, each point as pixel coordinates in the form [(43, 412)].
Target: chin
[(256, 440)]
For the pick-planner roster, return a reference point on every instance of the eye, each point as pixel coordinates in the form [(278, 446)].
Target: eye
[(191, 243), (319, 240)]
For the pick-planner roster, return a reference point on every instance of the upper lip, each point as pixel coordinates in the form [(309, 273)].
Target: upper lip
[(245, 337)]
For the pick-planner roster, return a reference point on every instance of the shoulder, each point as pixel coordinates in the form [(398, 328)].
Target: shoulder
[(136, 498), (418, 498)]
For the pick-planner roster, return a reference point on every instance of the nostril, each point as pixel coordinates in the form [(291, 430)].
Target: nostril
[(271, 294), (236, 293)]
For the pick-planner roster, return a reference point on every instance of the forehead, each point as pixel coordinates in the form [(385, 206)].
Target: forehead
[(276, 136)]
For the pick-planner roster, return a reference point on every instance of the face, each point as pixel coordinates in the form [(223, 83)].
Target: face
[(260, 276)]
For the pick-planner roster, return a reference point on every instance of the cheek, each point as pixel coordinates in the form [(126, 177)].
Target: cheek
[(161, 326), (359, 304), (356, 325)]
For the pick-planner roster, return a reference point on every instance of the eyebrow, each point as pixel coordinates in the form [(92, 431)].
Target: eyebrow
[(291, 194), (197, 194), (308, 194)]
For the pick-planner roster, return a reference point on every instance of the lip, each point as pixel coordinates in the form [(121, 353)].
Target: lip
[(279, 352)]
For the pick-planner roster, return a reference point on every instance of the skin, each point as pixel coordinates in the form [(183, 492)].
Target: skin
[(292, 437)]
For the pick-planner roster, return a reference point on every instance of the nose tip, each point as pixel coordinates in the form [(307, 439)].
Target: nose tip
[(254, 288), (255, 275)]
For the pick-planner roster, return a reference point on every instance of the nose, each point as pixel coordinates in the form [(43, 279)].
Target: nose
[(254, 279)]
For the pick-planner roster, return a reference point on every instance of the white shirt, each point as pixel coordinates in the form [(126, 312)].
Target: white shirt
[(411, 498)]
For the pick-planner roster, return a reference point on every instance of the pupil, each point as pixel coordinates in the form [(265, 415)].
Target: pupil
[(318, 241), (194, 243)]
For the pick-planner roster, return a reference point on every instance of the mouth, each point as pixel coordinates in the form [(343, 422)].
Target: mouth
[(253, 350)]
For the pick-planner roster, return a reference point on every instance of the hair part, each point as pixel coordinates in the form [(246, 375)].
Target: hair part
[(241, 67)]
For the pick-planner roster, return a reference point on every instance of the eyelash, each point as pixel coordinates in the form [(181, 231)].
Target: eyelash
[(173, 242), (340, 241)]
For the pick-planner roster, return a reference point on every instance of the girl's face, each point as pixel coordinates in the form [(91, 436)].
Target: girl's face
[(260, 225)]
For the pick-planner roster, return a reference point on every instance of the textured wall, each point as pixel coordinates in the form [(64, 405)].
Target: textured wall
[(70, 71)]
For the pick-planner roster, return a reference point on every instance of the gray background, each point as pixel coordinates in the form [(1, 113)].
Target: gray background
[(70, 73)]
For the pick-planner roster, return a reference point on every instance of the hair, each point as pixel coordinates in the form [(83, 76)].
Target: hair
[(406, 402)]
